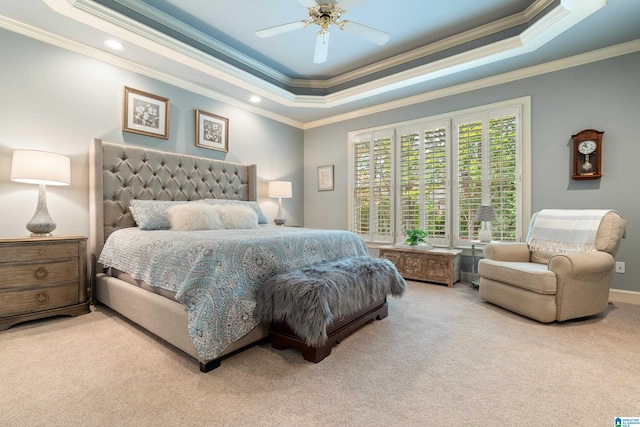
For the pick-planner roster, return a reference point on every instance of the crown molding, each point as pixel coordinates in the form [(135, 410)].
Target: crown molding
[(162, 18), (552, 23), (448, 43), (55, 40), (194, 34), (536, 70)]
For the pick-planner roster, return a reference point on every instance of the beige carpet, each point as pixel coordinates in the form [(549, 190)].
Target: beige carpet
[(441, 358)]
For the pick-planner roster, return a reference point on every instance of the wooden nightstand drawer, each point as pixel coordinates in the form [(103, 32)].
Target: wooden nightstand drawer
[(45, 298), (20, 275), (37, 252)]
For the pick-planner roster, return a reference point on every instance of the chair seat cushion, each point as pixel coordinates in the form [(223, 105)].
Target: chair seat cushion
[(526, 275)]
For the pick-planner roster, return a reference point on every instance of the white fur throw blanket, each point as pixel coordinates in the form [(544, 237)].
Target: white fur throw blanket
[(310, 298), (565, 230)]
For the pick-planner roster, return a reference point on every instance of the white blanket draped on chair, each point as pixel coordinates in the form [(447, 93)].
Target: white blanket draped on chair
[(565, 230)]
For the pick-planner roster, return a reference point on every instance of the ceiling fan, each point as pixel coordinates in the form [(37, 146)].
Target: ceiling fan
[(324, 15)]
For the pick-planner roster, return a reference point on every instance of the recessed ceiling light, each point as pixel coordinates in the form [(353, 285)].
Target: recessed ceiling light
[(255, 99), (114, 44)]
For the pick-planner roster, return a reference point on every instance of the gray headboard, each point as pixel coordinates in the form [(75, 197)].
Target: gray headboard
[(119, 173)]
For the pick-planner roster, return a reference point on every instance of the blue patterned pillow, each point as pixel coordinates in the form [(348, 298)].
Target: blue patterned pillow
[(253, 205), (152, 214)]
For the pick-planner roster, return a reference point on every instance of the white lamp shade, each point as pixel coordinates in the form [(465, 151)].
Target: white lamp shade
[(280, 189), (40, 167)]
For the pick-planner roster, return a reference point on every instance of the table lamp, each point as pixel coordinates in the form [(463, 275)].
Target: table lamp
[(280, 189), (43, 168), (486, 214)]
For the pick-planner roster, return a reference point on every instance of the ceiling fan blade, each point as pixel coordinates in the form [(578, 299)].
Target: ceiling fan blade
[(279, 29), (322, 47), (348, 4), (308, 3), (367, 33)]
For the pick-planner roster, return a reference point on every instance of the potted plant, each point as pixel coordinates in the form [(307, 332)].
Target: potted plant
[(415, 236)]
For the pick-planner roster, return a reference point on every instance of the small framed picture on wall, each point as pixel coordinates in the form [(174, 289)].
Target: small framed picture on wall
[(325, 178), (145, 113), (212, 131)]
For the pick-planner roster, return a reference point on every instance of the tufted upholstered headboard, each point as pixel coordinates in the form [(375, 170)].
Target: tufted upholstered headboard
[(120, 173)]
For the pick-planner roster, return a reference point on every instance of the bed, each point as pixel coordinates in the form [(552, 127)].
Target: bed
[(120, 174)]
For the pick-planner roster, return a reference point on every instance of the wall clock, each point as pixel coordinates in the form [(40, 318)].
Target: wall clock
[(587, 154)]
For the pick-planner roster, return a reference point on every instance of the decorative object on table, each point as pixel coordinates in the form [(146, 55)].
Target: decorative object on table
[(325, 178), (486, 214), (281, 190), (145, 113), (212, 131), (415, 236), (587, 154), (43, 168)]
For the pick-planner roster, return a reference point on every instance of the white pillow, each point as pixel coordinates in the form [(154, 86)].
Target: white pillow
[(236, 216), (194, 216)]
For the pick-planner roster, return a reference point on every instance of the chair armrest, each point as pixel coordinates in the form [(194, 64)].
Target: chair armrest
[(582, 263), (514, 252), (583, 281)]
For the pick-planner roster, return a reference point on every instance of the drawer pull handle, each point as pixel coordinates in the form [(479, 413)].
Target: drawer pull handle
[(41, 273), (42, 298)]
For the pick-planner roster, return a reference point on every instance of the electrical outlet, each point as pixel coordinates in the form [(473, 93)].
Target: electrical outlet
[(619, 267)]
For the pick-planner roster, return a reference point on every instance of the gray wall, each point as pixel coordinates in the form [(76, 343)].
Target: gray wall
[(55, 100), (604, 95)]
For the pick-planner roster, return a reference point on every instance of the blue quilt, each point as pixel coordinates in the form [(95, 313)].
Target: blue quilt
[(216, 273)]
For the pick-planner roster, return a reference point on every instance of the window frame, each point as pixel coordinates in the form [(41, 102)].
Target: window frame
[(523, 196)]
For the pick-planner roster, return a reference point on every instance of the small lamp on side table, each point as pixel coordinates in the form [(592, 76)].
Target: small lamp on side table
[(281, 190), (43, 168), (486, 214)]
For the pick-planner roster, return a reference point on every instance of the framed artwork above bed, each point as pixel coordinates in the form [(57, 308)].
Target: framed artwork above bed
[(145, 113), (212, 131)]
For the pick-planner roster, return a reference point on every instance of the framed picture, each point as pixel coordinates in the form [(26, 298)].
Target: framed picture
[(212, 131), (145, 113), (325, 178)]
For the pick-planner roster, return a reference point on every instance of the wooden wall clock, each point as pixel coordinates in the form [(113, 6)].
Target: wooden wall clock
[(587, 154)]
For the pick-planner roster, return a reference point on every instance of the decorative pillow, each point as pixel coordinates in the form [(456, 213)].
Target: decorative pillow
[(253, 205), (237, 216), (152, 214), (194, 216)]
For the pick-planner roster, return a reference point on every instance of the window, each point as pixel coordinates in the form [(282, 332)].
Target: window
[(435, 173)]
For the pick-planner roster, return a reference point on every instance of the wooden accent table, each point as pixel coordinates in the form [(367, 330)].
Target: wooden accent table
[(424, 263), (42, 277)]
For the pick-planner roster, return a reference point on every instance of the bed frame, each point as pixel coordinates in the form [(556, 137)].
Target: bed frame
[(120, 173)]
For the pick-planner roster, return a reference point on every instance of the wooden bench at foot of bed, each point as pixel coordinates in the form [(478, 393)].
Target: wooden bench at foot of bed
[(313, 308), (282, 336)]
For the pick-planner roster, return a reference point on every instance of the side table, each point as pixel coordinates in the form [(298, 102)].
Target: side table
[(425, 263), (42, 277)]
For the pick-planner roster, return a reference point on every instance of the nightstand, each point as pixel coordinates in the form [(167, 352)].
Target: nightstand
[(42, 277)]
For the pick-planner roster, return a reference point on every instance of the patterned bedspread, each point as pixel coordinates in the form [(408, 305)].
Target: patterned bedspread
[(217, 273)]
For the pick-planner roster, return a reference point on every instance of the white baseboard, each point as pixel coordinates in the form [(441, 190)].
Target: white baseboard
[(619, 295)]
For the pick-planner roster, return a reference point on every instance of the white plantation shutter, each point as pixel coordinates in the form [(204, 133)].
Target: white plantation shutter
[(382, 187), (469, 176), (487, 158), (503, 174), (372, 189), (361, 221), (437, 205), (422, 177)]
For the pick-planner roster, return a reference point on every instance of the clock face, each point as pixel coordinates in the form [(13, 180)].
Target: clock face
[(587, 147)]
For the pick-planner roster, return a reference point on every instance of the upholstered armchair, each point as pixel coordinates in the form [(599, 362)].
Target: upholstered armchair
[(563, 271)]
